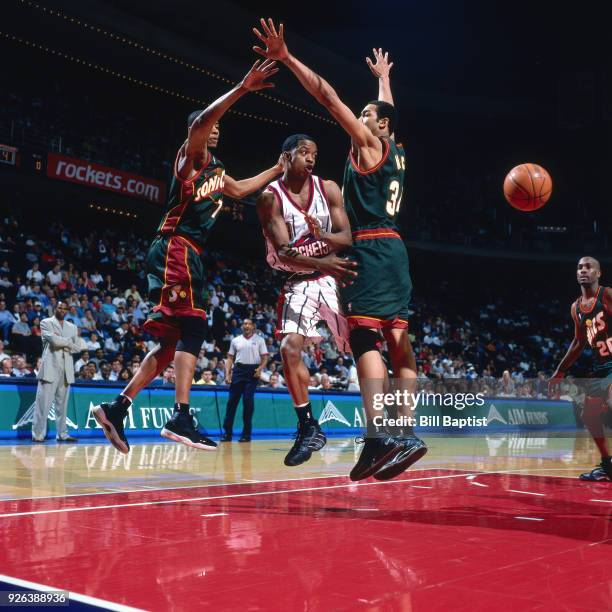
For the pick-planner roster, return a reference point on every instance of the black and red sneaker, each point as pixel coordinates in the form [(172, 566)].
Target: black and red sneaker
[(180, 428), (110, 417)]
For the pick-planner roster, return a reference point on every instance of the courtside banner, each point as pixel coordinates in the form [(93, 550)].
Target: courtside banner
[(338, 412), (95, 175)]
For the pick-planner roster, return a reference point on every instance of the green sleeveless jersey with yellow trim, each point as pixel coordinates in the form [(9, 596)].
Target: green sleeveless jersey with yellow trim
[(596, 324), (373, 197), (194, 205)]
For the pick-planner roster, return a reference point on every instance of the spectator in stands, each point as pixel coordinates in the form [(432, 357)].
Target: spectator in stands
[(325, 383), (274, 382), (206, 379), (3, 355), (6, 370), (20, 334), (6, 321), (34, 274), (54, 276), (21, 370), (93, 344), (133, 293), (168, 375), (507, 385)]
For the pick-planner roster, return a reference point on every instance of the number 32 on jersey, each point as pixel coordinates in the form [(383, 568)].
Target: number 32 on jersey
[(395, 189)]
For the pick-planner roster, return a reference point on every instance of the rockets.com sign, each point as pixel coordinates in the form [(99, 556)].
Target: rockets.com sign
[(112, 179)]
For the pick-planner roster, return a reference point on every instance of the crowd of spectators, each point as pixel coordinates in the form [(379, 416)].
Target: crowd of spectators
[(499, 348)]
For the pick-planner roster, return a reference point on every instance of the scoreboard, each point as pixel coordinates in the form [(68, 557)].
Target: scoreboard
[(8, 155), (28, 161)]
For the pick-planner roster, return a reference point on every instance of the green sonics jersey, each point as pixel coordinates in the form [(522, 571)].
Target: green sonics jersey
[(596, 325), (194, 205), (372, 197)]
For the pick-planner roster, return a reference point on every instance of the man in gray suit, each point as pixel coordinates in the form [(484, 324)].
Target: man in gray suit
[(56, 374)]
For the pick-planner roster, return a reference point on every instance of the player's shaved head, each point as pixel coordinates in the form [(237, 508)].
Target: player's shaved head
[(594, 262), (588, 271)]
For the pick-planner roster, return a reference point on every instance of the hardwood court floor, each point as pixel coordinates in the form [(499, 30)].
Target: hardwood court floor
[(483, 523)]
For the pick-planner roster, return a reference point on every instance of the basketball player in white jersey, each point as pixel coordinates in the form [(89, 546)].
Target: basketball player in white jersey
[(305, 224)]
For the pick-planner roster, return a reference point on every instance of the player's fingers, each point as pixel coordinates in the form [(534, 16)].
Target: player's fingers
[(369, 62), (390, 65), (265, 27), (272, 28), (259, 34), (269, 73), (259, 50), (268, 65), (386, 56), (281, 30), (254, 66)]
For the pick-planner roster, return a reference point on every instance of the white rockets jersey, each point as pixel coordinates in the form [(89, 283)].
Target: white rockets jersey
[(300, 236)]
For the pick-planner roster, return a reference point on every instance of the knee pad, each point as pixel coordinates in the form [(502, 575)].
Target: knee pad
[(192, 335), (363, 340)]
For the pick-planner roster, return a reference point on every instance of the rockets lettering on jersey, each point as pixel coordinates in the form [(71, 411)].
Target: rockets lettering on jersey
[(300, 234)]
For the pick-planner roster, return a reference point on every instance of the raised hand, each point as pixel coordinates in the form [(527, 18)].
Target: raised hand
[(255, 78), (276, 49), (381, 66)]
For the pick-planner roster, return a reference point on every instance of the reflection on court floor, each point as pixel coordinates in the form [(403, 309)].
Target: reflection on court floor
[(167, 526)]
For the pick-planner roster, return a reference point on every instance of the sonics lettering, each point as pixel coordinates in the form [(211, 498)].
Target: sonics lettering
[(212, 185), (594, 326)]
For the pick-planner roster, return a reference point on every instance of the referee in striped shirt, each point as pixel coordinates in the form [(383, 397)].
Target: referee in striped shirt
[(248, 355)]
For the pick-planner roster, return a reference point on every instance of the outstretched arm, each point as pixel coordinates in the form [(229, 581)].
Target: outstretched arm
[(273, 224), (276, 49), (381, 67), (240, 189), (200, 129)]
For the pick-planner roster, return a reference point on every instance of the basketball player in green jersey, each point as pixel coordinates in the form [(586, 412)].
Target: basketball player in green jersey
[(175, 272), (376, 304), (592, 316)]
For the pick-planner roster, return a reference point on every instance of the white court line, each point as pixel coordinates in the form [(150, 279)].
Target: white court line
[(215, 514), (526, 492), (478, 484), (515, 472), (528, 518), (208, 498), (202, 486), (602, 501), (420, 487), (86, 599)]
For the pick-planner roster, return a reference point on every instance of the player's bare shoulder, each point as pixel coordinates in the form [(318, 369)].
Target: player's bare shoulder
[(333, 193)]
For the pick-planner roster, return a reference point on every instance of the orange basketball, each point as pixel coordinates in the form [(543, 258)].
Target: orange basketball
[(527, 187)]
